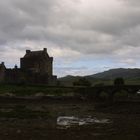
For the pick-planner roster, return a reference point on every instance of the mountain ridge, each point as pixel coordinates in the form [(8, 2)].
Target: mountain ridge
[(119, 72), (111, 74)]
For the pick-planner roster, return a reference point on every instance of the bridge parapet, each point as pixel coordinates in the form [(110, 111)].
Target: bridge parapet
[(111, 90)]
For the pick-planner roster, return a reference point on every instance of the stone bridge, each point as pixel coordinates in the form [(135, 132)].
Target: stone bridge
[(110, 90)]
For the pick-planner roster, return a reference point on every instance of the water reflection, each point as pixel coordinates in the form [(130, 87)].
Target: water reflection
[(69, 121)]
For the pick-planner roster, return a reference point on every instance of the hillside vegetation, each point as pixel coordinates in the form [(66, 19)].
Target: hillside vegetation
[(131, 76)]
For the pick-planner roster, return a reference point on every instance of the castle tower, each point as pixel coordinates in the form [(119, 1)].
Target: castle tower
[(37, 62)]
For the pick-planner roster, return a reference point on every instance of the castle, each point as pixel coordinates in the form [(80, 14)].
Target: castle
[(36, 67)]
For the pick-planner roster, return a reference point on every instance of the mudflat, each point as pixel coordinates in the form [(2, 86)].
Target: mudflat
[(68, 119)]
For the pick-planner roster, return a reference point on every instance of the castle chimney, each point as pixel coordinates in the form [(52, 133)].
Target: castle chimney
[(45, 49), (28, 51)]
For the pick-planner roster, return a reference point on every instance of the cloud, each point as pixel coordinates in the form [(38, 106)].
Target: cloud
[(74, 71), (72, 30)]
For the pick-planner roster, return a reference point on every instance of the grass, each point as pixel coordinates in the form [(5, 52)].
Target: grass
[(42, 90), (95, 81), (23, 90), (21, 112)]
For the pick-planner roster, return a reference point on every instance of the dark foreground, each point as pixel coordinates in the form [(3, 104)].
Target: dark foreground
[(36, 119)]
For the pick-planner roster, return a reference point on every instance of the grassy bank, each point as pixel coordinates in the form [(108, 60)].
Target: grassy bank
[(23, 90)]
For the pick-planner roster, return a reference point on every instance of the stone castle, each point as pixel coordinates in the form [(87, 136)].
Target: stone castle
[(36, 67)]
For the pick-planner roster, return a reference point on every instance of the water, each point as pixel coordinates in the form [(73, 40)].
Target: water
[(69, 121)]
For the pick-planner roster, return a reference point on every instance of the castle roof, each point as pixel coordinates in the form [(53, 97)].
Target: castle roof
[(36, 54)]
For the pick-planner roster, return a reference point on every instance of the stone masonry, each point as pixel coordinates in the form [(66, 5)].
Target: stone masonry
[(36, 67)]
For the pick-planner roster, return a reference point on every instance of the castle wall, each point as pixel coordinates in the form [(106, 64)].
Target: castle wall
[(50, 66), (46, 66), (30, 64), (35, 68), (14, 76), (37, 65), (2, 73)]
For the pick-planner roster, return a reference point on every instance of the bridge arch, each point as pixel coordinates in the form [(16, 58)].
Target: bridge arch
[(111, 91)]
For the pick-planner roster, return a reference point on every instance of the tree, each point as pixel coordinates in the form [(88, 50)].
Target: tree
[(119, 81), (82, 82)]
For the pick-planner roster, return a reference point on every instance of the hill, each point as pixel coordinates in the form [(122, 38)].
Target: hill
[(120, 72), (68, 80), (131, 76)]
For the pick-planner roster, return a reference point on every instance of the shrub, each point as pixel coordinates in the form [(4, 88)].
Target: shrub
[(119, 81), (82, 82)]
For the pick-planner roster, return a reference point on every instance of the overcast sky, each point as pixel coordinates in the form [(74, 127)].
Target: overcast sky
[(83, 36)]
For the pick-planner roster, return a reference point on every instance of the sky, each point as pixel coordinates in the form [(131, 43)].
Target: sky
[(83, 36)]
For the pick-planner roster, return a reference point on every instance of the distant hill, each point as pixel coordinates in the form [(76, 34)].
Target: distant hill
[(68, 80), (120, 72), (106, 76)]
